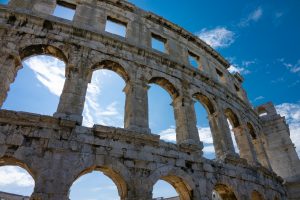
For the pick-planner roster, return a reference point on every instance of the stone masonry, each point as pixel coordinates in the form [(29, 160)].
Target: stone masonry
[(56, 150), (8, 196)]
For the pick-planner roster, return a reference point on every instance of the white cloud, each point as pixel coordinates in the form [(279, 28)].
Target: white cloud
[(292, 114), (294, 68), (219, 37), (254, 16), (11, 175), (49, 71), (169, 135), (93, 112), (259, 98), (242, 70)]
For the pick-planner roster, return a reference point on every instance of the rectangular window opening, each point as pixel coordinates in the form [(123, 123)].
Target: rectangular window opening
[(236, 88), (116, 27), (4, 2), (158, 43), (220, 74), (64, 10), (194, 60)]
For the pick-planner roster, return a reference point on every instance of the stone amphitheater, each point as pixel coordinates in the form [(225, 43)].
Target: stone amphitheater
[(56, 150)]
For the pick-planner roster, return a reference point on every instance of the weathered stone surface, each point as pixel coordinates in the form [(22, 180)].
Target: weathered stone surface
[(57, 150)]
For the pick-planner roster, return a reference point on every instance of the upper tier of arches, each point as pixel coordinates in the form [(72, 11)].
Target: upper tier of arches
[(137, 65)]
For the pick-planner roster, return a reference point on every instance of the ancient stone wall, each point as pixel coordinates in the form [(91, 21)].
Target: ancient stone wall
[(9, 196), (56, 150)]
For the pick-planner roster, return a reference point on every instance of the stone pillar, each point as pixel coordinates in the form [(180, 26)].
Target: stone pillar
[(72, 99), (186, 125), (139, 193), (9, 66), (221, 135), (136, 107), (261, 153), (244, 143)]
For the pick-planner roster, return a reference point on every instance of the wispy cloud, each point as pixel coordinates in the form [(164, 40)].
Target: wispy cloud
[(219, 37), (242, 70), (254, 16), (94, 113), (240, 67), (259, 98), (10, 175), (292, 67), (291, 111), (169, 135), (49, 71)]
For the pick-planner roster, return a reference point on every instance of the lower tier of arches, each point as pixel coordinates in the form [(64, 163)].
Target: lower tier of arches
[(58, 152)]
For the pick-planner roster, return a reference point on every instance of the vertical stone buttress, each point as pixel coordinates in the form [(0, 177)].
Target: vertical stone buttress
[(221, 135), (186, 125), (280, 149), (261, 153), (245, 145), (9, 66), (72, 99), (136, 106)]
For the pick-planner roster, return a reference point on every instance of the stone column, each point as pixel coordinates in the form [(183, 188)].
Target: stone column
[(72, 99), (186, 125), (221, 135), (9, 66), (244, 143), (139, 191), (136, 107), (261, 153)]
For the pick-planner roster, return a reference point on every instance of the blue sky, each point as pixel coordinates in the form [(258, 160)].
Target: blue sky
[(259, 38)]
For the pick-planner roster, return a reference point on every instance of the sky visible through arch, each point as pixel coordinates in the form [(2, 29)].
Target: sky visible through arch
[(260, 39)]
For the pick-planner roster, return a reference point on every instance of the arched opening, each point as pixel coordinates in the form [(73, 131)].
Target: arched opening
[(233, 122), (15, 179), (39, 84), (256, 196), (161, 113), (171, 187), (105, 99), (251, 131), (223, 192), (204, 108), (98, 183)]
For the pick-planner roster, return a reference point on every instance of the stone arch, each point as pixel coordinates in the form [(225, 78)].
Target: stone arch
[(112, 174), (113, 66), (11, 161), (256, 196), (251, 131), (165, 84), (180, 180), (15, 162), (206, 102), (13, 62), (233, 118), (42, 49), (224, 192)]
